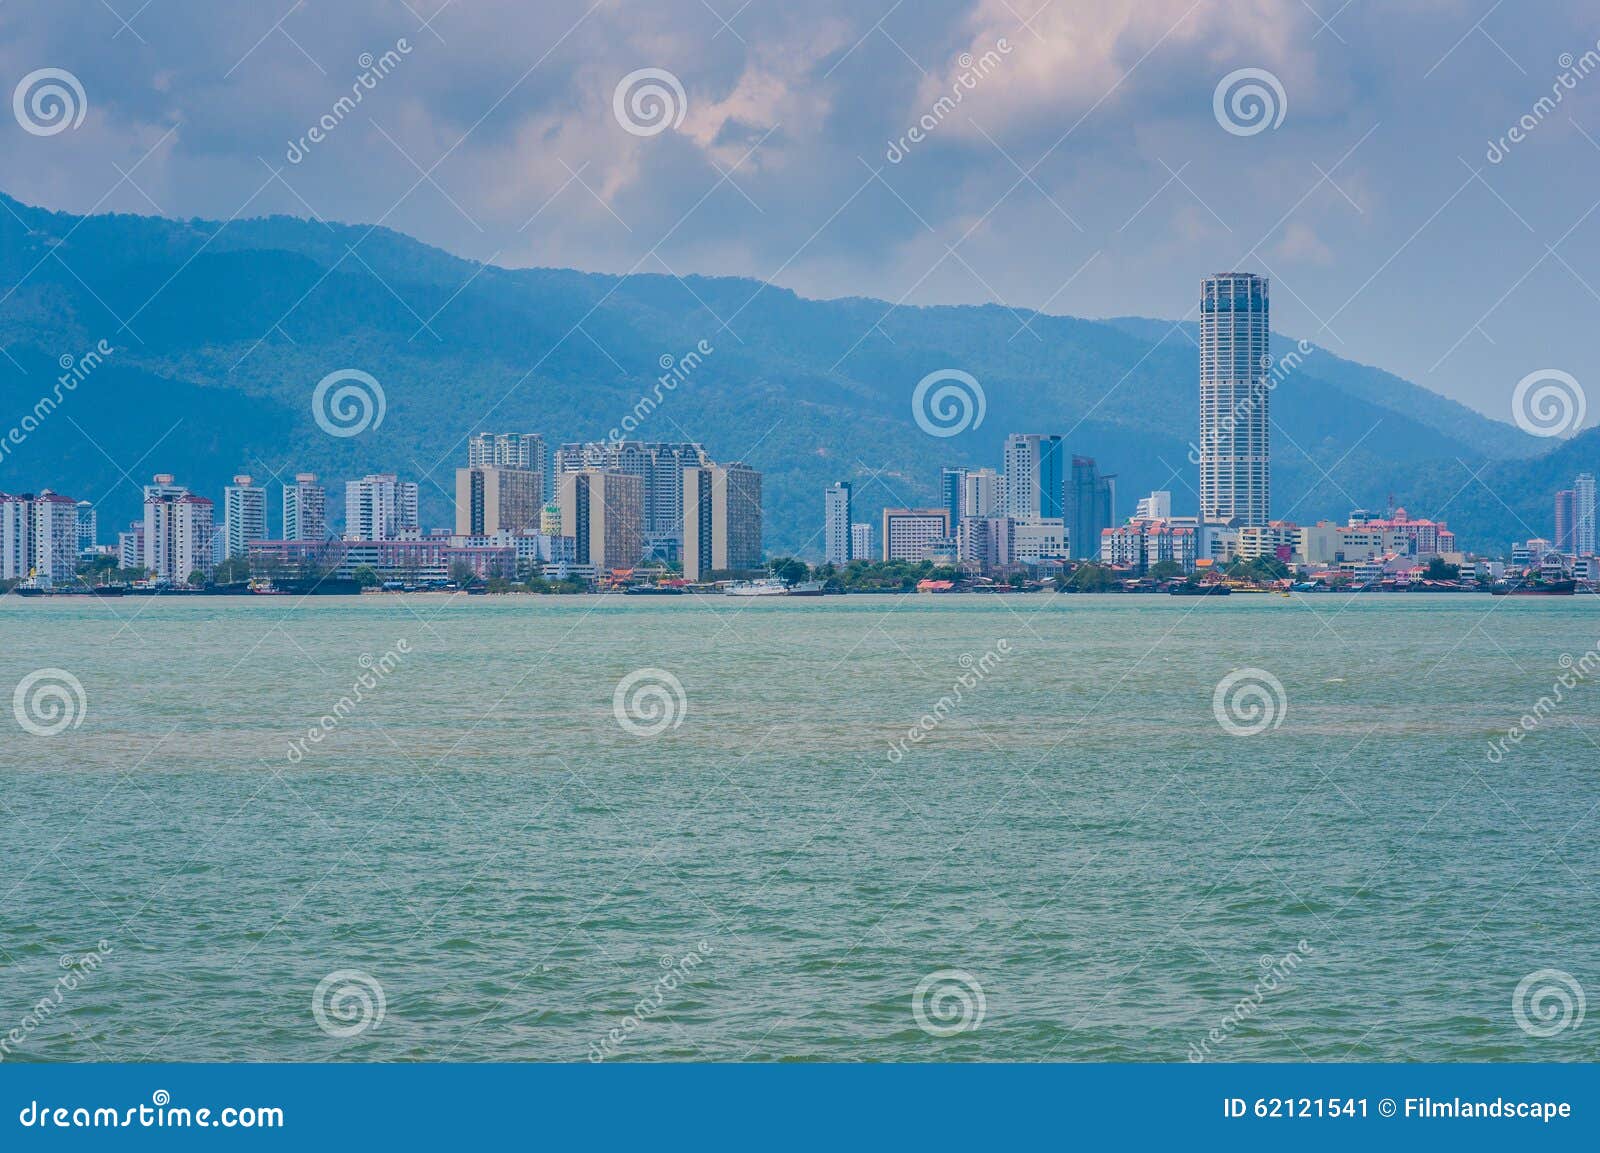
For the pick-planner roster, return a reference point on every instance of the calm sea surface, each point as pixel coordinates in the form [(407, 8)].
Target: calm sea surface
[(1075, 860)]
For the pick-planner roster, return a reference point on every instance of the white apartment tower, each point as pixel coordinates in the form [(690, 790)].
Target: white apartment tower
[(380, 506), (1583, 510), (244, 515), (836, 523), (1235, 359), (305, 509)]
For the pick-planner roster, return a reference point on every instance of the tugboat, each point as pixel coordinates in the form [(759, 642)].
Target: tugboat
[(1200, 590), (806, 589), (765, 587), (1536, 588), (648, 590)]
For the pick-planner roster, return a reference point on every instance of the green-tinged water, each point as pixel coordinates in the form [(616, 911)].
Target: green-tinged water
[(1074, 830)]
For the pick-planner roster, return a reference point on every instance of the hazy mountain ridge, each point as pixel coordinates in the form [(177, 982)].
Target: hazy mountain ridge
[(229, 327)]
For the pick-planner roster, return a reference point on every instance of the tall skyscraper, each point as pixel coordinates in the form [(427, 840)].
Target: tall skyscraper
[(379, 506), (604, 512), (305, 509), (1235, 351), (88, 526), (519, 450), (1090, 497), (1033, 476), (721, 519), (861, 546), (952, 493), (55, 538), (244, 515), (1564, 518), (16, 535), (659, 465), (178, 531), (907, 532), (983, 493), (1156, 506), (491, 500), (1583, 512), (836, 523)]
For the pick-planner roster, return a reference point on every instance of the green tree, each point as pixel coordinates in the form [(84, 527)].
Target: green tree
[(197, 578), (461, 572), (232, 570), (790, 570), (1165, 570), (366, 577), (1438, 570)]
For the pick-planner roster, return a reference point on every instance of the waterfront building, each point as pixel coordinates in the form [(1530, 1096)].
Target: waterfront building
[(1583, 514), (1156, 506), (1565, 518), (1235, 359), (952, 493), (130, 546), (861, 545), (16, 536), (659, 465), (907, 532), (983, 493), (523, 451), (244, 515), (179, 529), (987, 542), (721, 519), (490, 499), (1040, 539), (836, 523), (88, 527), (1090, 498), (604, 513), (380, 506), (305, 508), (1033, 476), (55, 539), (1140, 545), (550, 519)]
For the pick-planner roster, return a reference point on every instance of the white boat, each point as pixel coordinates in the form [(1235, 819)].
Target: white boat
[(766, 587)]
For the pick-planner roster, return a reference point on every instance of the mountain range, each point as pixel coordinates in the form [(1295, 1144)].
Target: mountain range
[(221, 331)]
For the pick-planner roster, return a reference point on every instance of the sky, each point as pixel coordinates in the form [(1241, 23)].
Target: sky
[(1081, 157)]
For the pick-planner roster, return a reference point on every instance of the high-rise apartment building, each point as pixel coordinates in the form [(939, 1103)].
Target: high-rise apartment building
[(721, 519), (1156, 506), (38, 537), (244, 515), (1583, 512), (88, 526), (1235, 360), (1565, 519), (952, 493), (836, 523), (907, 532), (1089, 500), (519, 450), (178, 531), (379, 506), (491, 500), (1033, 476), (604, 512), (659, 465), (861, 546), (305, 509), (983, 493), (16, 535)]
